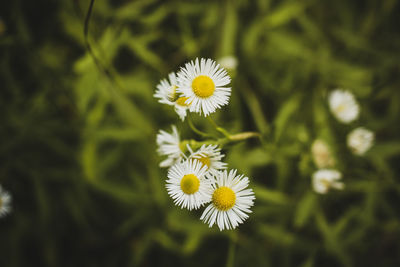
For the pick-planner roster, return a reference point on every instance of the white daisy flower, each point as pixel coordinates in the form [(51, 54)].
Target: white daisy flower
[(166, 93), (169, 145), (187, 184), (322, 155), (325, 179), (228, 62), (5, 202), (203, 83), (210, 156), (166, 90), (343, 105), (231, 201), (360, 140)]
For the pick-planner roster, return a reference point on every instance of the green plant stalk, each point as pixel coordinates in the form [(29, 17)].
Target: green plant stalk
[(255, 108), (194, 128), (218, 128), (231, 250), (194, 144)]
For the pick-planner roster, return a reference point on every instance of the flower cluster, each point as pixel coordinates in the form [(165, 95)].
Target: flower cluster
[(345, 109), (200, 178), (197, 176)]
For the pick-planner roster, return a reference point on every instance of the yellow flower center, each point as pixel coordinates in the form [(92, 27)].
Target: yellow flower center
[(341, 108), (203, 86), (224, 198), (190, 184), (326, 182), (181, 101), (205, 160)]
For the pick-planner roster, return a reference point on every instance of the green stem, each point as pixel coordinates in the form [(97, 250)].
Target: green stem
[(219, 129), (244, 136), (222, 141), (86, 39), (231, 250), (193, 127), (238, 137), (101, 67), (255, 108), (195, 144)]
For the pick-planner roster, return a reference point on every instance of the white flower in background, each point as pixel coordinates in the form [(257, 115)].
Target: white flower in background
[(168, 145), (360, 140), (322, 155), (203, 83), (325, 179), (209, 156), (166, 90), (343, 106), (231, 201), (187, 184), (228, 62), (5, 202)]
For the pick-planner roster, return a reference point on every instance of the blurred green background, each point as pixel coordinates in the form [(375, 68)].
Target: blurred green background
[(78, 130)]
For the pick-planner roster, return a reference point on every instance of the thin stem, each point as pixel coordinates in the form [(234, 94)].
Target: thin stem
[(212, 122), (193, 127), (89, 47), (87, 19), (244, 136), (219, 129), (255, 108), (231, 250), (238, 137), (222, 141), (86, 37), (195, 144)]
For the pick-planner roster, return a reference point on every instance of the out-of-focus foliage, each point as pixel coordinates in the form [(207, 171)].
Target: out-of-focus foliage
[(77, 145)]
